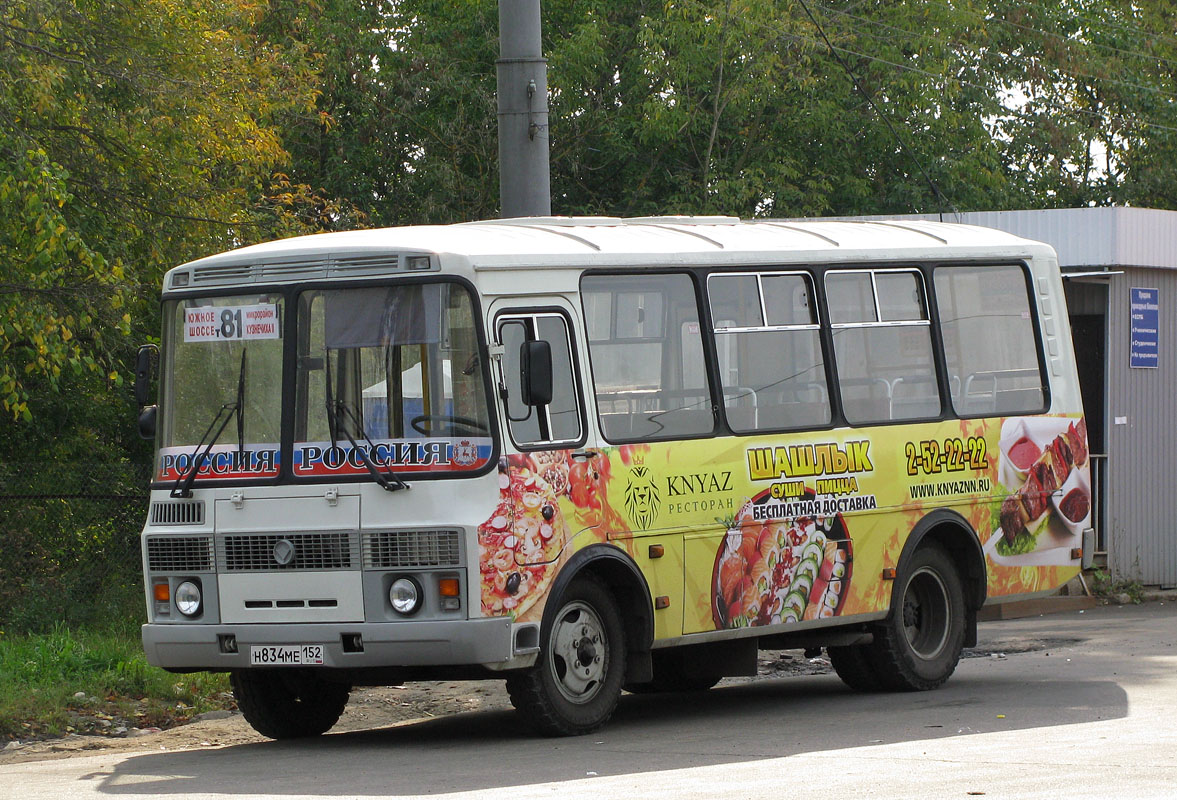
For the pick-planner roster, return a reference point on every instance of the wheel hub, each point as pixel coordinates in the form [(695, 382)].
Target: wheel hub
[(926, 614), (586, 653), (579, 652), (911, 613)]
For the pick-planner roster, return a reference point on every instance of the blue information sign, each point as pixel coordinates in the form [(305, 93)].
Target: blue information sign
[(1145, 312)]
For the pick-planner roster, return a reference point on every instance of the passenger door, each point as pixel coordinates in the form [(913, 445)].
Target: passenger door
[(551, 477)]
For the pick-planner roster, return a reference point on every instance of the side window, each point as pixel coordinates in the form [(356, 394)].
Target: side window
[(769, 348), (989, 345), (882, 345), (559, 421), (647, 356)]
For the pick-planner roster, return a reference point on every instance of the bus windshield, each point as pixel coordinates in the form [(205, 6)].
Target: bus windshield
[(388, 380), (389, 377)]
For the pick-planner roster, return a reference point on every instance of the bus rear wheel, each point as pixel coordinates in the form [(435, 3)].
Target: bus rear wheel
[(576, 683), (919, 644), (855, 666), (288, 703)]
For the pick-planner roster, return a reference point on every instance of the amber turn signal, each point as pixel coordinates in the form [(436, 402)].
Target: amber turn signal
[(448, 587), (657, 551), (1076, 553), (162, 592), (888, 573), (662, 601)]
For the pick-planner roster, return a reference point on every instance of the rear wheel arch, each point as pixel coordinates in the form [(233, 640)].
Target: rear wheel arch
[(941, 574), (918, 645), (953, 533)]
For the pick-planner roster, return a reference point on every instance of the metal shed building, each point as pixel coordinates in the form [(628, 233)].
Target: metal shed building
[(1121, 265)]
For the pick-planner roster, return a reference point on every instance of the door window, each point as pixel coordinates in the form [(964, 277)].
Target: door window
[(560, 420)]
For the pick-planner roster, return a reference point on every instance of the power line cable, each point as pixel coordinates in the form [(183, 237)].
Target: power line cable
[(1097, 23), (952, 45), (1005, 110), (886, 120)]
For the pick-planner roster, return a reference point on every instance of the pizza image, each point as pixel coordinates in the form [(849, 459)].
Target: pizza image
[(553, 466), (774, 571), (522, 542)]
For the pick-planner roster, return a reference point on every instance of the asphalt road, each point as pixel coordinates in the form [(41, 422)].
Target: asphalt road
[(1067, 706)]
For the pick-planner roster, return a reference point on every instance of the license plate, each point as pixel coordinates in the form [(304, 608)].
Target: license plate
[(285, 654)]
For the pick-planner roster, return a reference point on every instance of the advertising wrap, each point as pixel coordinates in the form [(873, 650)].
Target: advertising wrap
[(777, 530)]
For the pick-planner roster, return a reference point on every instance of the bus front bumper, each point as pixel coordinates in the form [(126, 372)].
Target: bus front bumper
[(393, 644)]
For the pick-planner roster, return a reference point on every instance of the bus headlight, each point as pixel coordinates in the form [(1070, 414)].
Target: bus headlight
[(187, 598), (405, 596)]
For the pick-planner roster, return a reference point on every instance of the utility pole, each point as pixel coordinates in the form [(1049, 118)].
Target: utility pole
[(524, 182)]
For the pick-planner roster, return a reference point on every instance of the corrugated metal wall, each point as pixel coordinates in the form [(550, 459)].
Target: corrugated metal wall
[(1141, 503)]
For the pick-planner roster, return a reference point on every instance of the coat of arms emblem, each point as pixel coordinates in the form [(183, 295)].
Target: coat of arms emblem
[(465, 453)]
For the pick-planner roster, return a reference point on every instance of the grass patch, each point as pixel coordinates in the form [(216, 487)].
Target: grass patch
[(1109, 589), (90, 681)]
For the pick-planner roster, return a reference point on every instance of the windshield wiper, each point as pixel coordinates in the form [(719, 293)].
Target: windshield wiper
[(388, 479), (183, 485)]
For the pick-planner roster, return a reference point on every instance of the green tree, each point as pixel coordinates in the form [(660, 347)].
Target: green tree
[(134, 135), (403, 128), (60, 302), (140, 134)]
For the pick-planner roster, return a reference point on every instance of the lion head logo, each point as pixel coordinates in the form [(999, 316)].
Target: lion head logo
[(641, 497)]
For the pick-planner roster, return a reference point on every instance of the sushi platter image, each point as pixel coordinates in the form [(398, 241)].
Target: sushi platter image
[(769, 572)]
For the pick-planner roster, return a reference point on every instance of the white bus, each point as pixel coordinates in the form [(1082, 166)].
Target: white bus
[(588, 455)]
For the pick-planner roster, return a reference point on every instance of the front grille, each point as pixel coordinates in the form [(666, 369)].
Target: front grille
[(310, 551), (178, 513), (398, 549), (180, 553)]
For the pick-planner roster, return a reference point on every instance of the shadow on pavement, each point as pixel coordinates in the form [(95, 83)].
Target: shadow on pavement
[(649, 733)]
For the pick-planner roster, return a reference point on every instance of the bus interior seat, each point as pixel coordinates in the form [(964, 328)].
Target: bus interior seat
[(913, 398), (617, 426), (866, 399)]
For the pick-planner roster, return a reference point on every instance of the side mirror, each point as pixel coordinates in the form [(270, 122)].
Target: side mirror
[(147, 417), (535, 363), (144, 371)]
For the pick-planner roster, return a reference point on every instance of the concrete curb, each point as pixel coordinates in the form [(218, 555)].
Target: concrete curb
[(1036, 607)]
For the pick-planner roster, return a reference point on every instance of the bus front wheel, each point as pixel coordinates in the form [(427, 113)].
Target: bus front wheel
[(288, 703), (576, 683), (919, 644)]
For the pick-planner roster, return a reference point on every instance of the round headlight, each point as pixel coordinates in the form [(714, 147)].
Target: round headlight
[(405, 596), (188, 598)]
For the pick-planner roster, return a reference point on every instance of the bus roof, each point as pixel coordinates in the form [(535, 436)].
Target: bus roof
[(553, 242)]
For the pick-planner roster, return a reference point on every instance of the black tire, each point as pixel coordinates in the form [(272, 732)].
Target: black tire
[(288, 703), (918, 646), (854, 666), (576, 681), (673, 672)]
